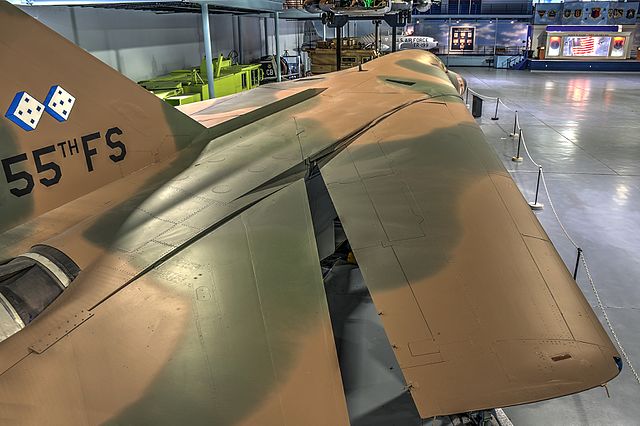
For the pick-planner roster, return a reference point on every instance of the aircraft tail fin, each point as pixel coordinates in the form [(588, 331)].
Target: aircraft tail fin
[(70, 124)]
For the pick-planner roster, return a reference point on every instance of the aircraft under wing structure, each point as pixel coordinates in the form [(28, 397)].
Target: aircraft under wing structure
[(157, 268)]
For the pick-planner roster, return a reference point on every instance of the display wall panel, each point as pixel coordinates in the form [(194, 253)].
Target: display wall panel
[(576, 45)]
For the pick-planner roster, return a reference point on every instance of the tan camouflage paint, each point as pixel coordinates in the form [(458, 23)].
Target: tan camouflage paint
[(126, 344)]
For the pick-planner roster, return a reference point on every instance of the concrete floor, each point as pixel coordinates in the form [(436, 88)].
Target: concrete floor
[(585, 131)]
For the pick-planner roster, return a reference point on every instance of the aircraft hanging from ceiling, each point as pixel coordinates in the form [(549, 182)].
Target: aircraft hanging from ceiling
[(164, 269), (366, 7)]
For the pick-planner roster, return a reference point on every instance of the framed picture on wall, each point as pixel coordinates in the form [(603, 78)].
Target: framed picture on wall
[(462, 39)]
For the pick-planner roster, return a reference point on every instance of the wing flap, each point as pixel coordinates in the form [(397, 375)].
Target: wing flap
[(478, 306)]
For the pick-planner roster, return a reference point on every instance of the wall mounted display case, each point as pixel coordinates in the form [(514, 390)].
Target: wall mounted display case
[(585, 45)]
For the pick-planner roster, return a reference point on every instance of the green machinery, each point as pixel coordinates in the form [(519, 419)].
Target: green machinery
[(182, 87)]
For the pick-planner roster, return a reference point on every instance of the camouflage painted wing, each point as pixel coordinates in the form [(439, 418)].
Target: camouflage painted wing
[(233, 328), (478, 305)]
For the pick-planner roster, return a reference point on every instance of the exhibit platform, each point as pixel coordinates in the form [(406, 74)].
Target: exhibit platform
[(628, 65)]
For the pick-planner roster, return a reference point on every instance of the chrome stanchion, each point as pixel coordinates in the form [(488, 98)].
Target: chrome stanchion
[(575, 271), (515, 124), (495, 116), (535, 205), (517, 158)]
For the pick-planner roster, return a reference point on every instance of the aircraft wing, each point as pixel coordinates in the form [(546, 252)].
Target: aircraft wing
[(153, 270), (232, 328), (145, 277), (479, 307)]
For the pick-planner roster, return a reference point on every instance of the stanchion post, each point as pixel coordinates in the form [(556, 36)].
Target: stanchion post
[(517, 158), (495, 116), (575, 270), (515, 124), (467, 98), (535, 205)]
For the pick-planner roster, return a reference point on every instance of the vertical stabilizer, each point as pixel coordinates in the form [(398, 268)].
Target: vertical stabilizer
[(70, 124)]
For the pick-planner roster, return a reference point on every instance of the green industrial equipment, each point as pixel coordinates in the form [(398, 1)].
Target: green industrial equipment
[(182, 87)]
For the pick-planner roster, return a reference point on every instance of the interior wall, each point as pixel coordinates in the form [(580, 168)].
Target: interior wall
[(291, 36), (144, 44)]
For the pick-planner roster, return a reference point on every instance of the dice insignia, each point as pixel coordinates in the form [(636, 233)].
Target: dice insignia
[(59, 103), (25, 111)]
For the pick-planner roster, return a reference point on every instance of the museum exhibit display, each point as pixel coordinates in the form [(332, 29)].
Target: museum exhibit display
[(462, 39), (181, 87), (354, 53), (587, 42), (586, 36), (350, 212)]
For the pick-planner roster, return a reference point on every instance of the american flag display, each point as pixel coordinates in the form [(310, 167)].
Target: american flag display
[(583, 46), (586, 46)]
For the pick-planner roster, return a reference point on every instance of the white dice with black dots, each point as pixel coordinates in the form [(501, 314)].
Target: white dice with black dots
[(25, 111), (59, 103)]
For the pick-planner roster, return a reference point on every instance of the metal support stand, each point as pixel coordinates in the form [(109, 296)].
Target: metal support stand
[(495, 46), (466, 101), (240, 49), (515, 124), (276, 29), (338, 48), (448, 47), (206, 34), (517, 158), (535, 205), (393, 39), (377, 34), (324, 32), (575, 270), (394, 19), (266, 36), (495, 116)]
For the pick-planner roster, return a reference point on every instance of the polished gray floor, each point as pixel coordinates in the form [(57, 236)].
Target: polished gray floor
[(585, 131)]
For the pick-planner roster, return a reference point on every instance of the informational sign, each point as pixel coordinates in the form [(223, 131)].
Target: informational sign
[(416, 42), (462, 39), (293, 64)]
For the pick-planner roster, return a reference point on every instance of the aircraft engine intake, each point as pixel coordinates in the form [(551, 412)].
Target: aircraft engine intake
[(31, 282)]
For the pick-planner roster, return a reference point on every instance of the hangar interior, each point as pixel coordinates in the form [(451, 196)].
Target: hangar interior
[(578, 117)]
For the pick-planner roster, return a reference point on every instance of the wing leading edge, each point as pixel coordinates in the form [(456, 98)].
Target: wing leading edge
[(478, 305)]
